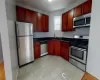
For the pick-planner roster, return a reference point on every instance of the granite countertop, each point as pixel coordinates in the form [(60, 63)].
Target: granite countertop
[(82, 43)]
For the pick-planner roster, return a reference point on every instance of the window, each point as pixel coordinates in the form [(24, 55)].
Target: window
[(57, 23)]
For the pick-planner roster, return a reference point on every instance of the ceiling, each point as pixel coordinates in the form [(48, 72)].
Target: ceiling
[(46, 6)]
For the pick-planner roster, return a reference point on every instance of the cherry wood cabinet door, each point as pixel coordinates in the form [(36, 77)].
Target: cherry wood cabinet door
[(87, 7), (28, 15), (78, 11), (46, 23), (39, 23), (70, 21), (57, 47), (43, 22), (37, 50), (51, 47), (34, 20), (65, 50), (64, 21), (20, 14)]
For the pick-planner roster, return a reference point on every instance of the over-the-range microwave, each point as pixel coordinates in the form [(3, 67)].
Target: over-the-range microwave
[(82, 21)]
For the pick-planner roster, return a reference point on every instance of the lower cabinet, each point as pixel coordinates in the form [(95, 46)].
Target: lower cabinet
[(54, 47), (59, 48), (65, 50), (51, 47), (37, 50)]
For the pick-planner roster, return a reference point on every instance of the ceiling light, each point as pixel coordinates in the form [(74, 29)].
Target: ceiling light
[(50, 0)]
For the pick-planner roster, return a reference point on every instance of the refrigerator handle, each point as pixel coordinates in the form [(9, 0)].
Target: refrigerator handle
[(17, 30), (18, 43)]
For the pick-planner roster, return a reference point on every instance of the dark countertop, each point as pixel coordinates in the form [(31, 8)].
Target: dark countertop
[(82, 43)]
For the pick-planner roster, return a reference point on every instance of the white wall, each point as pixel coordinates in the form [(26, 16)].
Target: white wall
[(93, 62), (58, 33), (5, 41), (11, 18), (1, 55)]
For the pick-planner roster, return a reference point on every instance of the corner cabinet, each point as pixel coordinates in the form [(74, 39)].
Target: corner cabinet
[(54, 47)]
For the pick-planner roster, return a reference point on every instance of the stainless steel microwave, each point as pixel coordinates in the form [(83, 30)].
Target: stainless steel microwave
[(82, 21)]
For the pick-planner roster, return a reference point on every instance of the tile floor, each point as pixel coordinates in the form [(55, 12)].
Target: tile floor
[(50, 68)]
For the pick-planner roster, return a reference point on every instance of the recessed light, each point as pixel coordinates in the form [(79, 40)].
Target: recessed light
[(50, 0)]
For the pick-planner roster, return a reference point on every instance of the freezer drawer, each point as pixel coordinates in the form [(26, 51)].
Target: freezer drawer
[(24, 29), (25, 50)]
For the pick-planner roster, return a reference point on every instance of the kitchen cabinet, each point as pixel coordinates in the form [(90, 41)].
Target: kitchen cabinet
[(78, 11), (64, 21), (43, 23), (87, 7), (40, 21), (51, 47), (70, 20), (54, 47), (65, 50), (34, 20), (37, 50), (28, 15), (46, 23), (20, 14), (57, 47)]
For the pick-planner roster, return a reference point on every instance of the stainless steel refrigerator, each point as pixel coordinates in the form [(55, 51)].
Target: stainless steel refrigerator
[(24, 33)]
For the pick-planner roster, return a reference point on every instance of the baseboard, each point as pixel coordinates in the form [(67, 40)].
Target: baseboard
[(43, 54), (17, 71)]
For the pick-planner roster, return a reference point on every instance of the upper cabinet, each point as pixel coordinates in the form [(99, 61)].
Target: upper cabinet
[(20, 13), (78, 11), (67, 17), (70, 20), (46, 23), (64, 21), (28, 15), (34, 20), (40, 21), (43, 21), (87, 7)]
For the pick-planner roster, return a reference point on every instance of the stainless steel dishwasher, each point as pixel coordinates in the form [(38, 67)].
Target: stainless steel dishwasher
[(44, 48)]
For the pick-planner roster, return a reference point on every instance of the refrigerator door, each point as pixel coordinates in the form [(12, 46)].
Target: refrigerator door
[(24, 29), (25, 50)]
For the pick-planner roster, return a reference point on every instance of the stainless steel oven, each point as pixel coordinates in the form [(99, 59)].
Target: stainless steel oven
[(82, 21), (78, 54)]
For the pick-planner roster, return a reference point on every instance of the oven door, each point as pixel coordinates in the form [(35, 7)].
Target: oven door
[(78, 54)]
